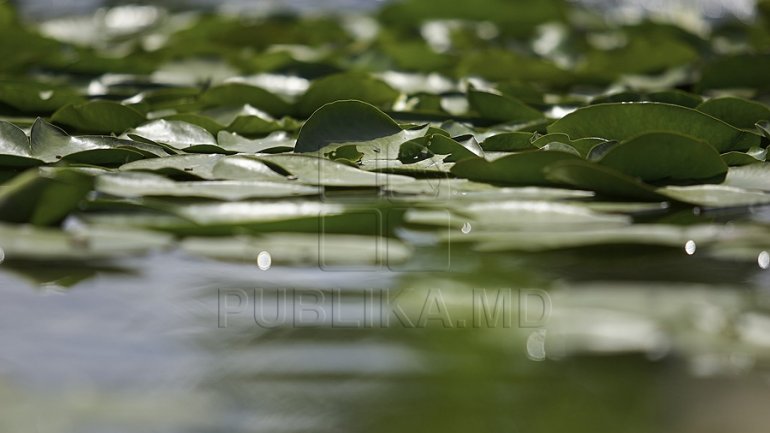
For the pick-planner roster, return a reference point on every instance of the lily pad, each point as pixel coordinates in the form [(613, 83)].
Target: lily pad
[(29, 243), (603, 180), (98, 117), (659, 156), (175, 133), (525, 168), (43, 196), (50, 144), (344, 122), (314, 249), (624, 121), (313, 170), (741, 113), (501, 108), (239, 94), (148, 185), (346, 86)]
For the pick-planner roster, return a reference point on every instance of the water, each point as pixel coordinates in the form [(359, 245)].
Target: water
[(589, 340), (641, 339)]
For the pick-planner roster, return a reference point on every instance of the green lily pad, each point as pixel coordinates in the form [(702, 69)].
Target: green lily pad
[(239, 94), (313, 170), (346, 86), (624, 121), (148, 185), (37, 98), (50, 144), (43, 196), (238, 167), (317, 250), (715, 196), (437, 144), (582, 146), (29, 243), (15, 148), (174, 133), (98, 117), (603, 180), (755, 176), (179, 166), (741, 113), (736, 71), (525, 168), (343, 122), (751, 156), (278, 142), (501, 108), (508, 142), (659, 156), (641, 234)]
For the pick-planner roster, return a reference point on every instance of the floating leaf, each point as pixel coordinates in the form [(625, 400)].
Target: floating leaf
[(180, 166), (736, 71), (508, 142), (716, 196), (317, 249), (346, 86), (37, 98), (98, 117), (525, 168), (501, 108), (28, 243), (754, 176), (277, 142), (658, 156), (344, 122), (177, 134), (603, 180), (50, 144), (312, 170), (741, 113), (147, 185), (239, 94), (751, 156), (43, 196), (15, 148), (624, 121)]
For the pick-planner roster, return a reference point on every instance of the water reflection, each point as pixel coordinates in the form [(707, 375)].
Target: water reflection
[(148, 349)]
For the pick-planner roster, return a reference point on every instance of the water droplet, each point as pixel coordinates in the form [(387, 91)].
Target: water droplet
[(466, 228), (264, 260), (536, 345), (45, 94), (764, 260), (690, 247)]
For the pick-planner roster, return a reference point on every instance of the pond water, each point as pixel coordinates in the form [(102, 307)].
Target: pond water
[(609, 339), (633, 340)]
